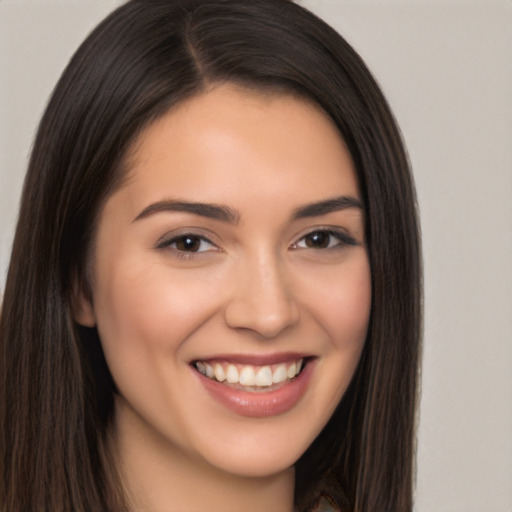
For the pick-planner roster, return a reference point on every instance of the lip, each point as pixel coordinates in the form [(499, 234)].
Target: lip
[(256, 360), (260, 404)]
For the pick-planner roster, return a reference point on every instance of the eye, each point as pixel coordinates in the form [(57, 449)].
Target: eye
[(187, 244), (324, 239)]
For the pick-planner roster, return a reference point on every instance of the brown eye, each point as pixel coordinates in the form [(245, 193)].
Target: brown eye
[(188, 243), (325, 239), (318, 240)]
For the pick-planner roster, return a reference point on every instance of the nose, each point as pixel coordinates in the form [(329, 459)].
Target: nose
[(262, 300)]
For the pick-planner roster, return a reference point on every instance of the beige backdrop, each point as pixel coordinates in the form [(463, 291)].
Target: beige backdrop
[(446, 67)]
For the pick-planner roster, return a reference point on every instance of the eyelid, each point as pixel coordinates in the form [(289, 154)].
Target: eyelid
[(340, 233), (170, 238)]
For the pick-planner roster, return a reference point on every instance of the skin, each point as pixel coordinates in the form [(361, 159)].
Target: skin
[(259, 286)]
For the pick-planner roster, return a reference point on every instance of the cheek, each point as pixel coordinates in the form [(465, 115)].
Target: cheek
[(351, 310), (343, 311), (342, 304), (144, 310), (349, 319), (145, 314)]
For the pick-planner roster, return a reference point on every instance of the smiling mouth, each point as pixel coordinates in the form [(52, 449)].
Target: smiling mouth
[(252, 378)]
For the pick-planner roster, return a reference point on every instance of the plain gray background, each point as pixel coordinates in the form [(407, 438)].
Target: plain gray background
[(446, 68)]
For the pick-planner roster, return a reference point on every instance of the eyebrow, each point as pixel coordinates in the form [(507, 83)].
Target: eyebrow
[(328, 206), (212, 211), (232, 216)]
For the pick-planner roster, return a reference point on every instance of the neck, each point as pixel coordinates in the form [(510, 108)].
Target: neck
[(159, 476)]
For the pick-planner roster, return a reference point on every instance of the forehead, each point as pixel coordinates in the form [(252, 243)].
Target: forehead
[(230, 142)]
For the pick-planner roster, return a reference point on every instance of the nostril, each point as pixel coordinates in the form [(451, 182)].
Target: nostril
[(263, 317), (261, 298)]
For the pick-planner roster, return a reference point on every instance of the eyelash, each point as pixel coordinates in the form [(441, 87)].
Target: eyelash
[(184, 254), (343, 238)]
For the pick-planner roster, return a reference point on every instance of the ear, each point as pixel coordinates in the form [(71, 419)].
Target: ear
[(82, 306)]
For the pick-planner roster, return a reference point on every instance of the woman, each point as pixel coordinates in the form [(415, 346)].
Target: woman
[(213, 300)]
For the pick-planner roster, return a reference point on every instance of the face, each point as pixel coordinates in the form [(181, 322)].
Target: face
[(230, 280)]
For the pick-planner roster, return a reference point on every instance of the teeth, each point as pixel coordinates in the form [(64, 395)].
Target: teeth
[(250, 376), (264, 376), (201, 367), (219, 373), (280, 374), (232, 374), (247, 376)]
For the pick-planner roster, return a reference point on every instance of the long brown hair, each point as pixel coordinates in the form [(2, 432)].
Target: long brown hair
[(55, 389)]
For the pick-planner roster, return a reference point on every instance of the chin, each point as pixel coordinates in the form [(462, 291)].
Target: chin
[(260, 453)]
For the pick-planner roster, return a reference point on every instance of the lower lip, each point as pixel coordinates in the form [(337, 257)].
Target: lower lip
[(260, 404)]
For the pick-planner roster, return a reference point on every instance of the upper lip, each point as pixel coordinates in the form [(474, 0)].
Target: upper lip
[(255, 359)]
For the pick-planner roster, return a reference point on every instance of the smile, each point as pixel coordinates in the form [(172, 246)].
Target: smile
[(250, 377), (257, 387)]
